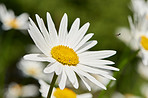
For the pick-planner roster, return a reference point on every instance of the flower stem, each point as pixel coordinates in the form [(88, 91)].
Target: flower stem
[(52, 85)]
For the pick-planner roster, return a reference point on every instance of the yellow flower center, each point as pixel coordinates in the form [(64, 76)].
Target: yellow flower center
[(65, 93), (65, 55), (13, 23), (144, 42)]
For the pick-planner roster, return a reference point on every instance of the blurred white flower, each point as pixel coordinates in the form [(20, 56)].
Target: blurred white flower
[(58, 93), (31, 68), (9, 20), (68, 52), (119, 95), (34, 69), (137, 38), (15, 90), (144, 90), (143, 70), (139, 7)]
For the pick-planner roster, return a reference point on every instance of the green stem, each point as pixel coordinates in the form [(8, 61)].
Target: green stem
[(52, 85)]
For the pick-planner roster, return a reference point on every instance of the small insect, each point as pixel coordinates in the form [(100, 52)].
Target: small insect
[(118, 34)]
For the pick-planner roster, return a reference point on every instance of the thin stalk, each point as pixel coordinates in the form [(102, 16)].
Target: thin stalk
[(52, 85)]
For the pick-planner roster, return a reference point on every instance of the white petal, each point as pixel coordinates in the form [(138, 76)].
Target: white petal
[(69, 74), (51, 29), (86, 46), (95, 62), (73, 32), (44, 30), (38, 57), (80, 34), (85, 83), (86, 95), (50, 68), (58, 68), (72, 77), (97, 54), (95, 71), (63, 29), (44, 87), (83, 41), (62, 82), (92, 79), (38, 38), (91, 70)]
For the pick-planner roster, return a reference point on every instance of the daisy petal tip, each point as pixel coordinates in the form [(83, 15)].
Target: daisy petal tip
[(61, 87), (76, 86), (117, 69), (45, 70), (65, 15), (37, 16), (30, 19)]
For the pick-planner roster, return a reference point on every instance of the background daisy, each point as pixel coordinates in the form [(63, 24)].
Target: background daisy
[(9, 20)]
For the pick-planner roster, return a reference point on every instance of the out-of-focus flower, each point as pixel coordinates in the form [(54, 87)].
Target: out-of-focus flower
[(9, 20), (34, 69), (119, 95), (58, 93), (137, 38), (31, 68), (143, 71), (144, 90), (68, 52), (15, 90), (139, 7)]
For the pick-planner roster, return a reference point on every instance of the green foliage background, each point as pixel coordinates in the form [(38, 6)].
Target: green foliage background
[(105, 16)]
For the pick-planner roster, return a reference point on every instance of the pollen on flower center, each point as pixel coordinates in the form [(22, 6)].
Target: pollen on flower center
[(13, 23), (144, 42), (65, 93), (65, 55)]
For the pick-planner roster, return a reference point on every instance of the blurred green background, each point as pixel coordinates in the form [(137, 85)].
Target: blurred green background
[(105, 16)]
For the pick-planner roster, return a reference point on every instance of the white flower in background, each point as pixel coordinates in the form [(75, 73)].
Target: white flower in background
[(137, 38), (143, 70), (119, 95), (34, 69), (144, 90), (15, 90), (31, 68), (58, 93), (9, 20), (126, 37), (139, 7), (68, 52)]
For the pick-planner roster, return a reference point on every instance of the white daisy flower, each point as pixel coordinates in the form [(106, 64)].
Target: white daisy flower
[(16, 90), (137, 38), (144, 90), (119, 95), (34, 69), (9, 19), (139, 7), (68, 52), (58, 93), (143, 70)]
